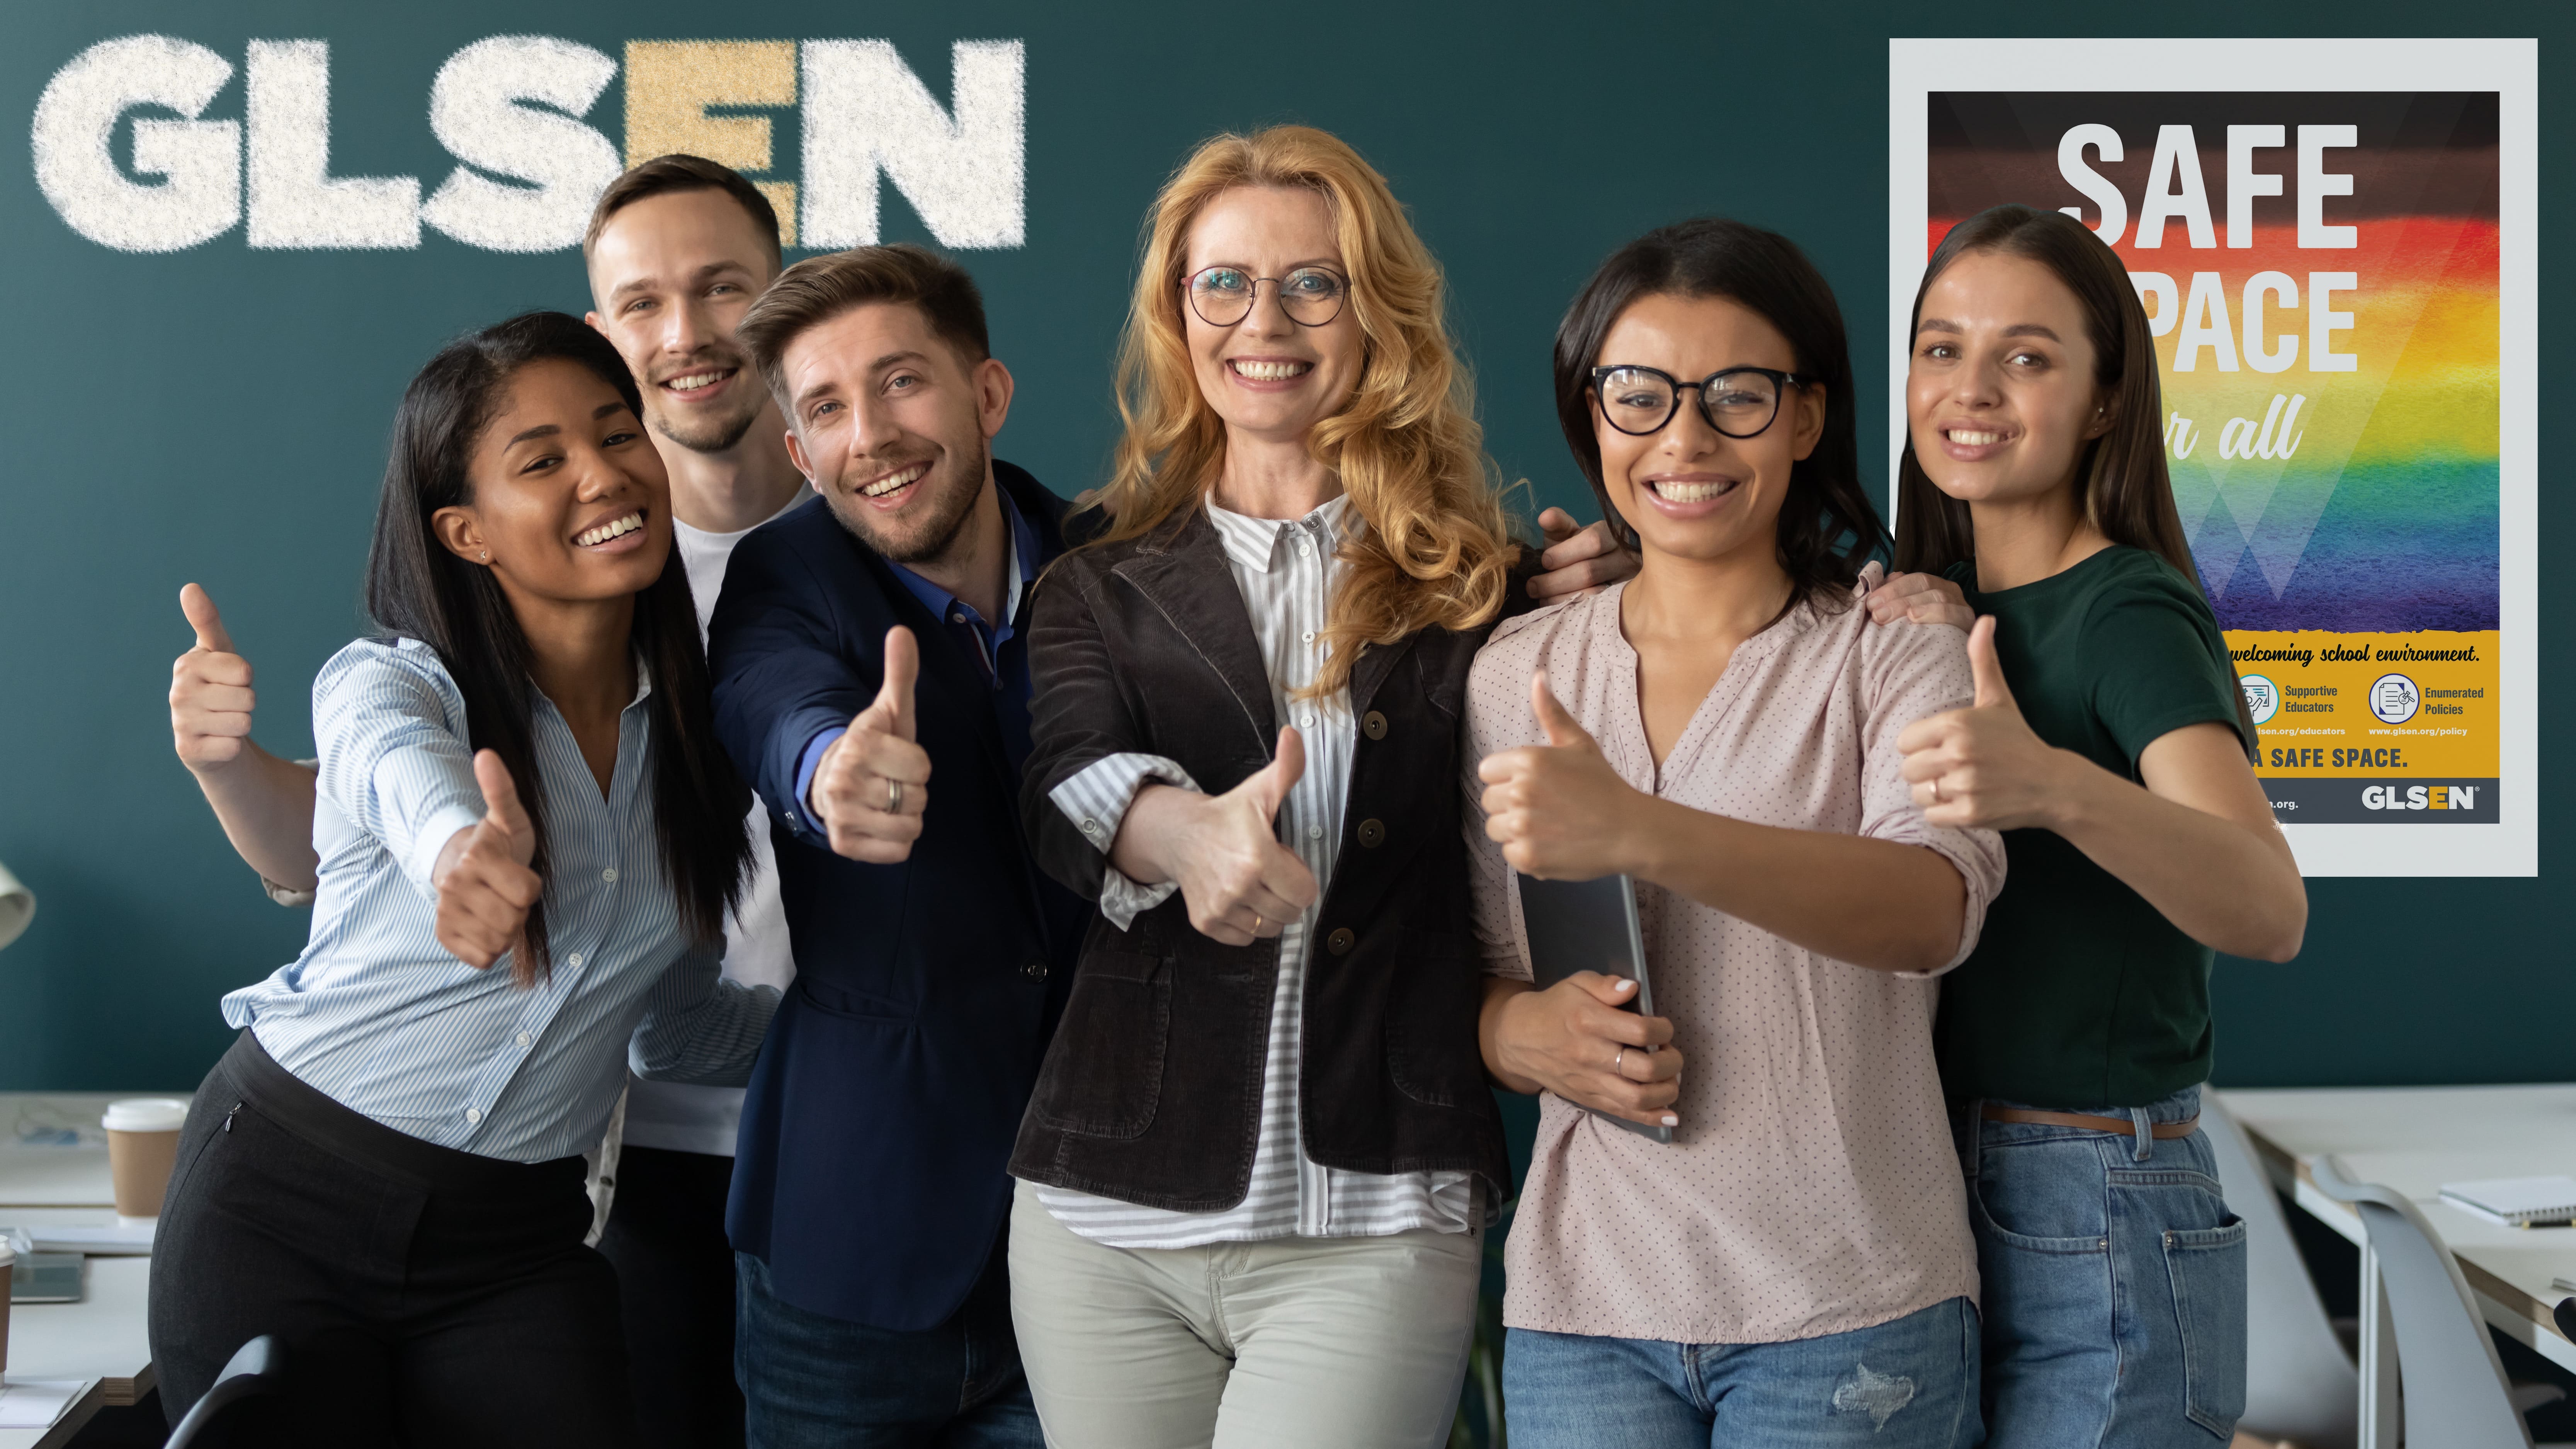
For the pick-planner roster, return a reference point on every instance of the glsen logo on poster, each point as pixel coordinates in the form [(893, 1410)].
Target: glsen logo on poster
[(2419, 797), (510, 109)]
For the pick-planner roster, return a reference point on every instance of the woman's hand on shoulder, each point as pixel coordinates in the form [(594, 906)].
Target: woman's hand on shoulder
[(1983, 767), (1576, 1040), (482, 878), (1559, 810), (1579, 558), (1917, 599)]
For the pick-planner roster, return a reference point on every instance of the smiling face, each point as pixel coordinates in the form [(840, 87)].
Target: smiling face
[(672, 275), (893, 426), (1267, 376), (1689, 490), (566, 493), (2000, 397)]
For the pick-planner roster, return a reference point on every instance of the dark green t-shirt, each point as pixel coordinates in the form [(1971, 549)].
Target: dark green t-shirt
[(2080, 994)]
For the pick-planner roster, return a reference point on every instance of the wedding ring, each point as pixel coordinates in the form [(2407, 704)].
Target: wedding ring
[(1936, 791), (894, 797), (1615, 1062), (1256, 923)]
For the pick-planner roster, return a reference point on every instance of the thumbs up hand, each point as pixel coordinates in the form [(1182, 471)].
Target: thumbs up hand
[(1559, 810), (210, 692), (482, 877), (1236, 878), (874, 782), (1983, 766)]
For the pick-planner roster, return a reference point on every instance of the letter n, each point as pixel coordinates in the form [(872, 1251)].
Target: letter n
[(964, 169)]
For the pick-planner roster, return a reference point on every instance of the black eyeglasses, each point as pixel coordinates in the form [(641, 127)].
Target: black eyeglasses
[(1222, 296), (1739, 402)]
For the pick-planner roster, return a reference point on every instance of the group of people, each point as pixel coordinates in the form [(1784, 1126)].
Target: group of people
[(1040, 967)]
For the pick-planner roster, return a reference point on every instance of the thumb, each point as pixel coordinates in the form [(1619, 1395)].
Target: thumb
[(501, 807), (902, 667), (200, 609), (1989, 670), (1608, 990), (1558, 525), (1270, 786), (1560, 726)]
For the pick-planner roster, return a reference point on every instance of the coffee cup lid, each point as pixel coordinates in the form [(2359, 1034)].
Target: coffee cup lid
[(145, 1114), (8, 1251)]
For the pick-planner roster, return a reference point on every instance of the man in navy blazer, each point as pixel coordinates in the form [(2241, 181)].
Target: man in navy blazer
[(872, 681)]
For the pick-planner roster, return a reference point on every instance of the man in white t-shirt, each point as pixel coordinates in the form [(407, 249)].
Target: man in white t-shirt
[(677, 248)]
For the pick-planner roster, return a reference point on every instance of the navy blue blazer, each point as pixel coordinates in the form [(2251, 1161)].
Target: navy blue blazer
[(871, 1169)]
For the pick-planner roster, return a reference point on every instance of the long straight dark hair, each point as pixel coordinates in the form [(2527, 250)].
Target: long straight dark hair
[(1827, 528), (2121, 477), (417, 589)]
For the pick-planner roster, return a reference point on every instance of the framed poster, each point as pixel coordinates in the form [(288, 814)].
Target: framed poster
[(2333, 243)]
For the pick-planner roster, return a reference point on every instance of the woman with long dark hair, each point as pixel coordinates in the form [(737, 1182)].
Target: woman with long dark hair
[(1794, 1265), (2109, 744), (528, 841)]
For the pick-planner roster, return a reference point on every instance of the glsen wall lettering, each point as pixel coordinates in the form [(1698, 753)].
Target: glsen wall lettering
[(511, 109)]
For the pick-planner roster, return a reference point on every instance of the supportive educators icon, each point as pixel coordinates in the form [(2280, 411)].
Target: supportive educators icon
[(2262, 697), (2394, 698)]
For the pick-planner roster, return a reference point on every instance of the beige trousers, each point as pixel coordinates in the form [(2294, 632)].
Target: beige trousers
[(1290, 1343)]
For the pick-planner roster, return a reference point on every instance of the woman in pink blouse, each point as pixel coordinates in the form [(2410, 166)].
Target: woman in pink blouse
[(1795, 1267)]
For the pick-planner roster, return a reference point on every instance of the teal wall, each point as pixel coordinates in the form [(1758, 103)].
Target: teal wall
[(219, 414)]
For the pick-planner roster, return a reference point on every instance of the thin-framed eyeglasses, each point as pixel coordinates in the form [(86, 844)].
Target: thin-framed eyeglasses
[(1739, 401), (1222, 296)]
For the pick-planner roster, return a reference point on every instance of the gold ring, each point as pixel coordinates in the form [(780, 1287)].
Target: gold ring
[(1615, 1062), (1256, 923), (894, 796), (1936, 791)]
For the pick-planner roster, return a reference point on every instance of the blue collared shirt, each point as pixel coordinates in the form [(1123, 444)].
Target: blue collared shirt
[(379, 1016), (1005, 667)]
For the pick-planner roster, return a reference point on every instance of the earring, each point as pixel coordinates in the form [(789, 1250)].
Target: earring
[(487, 555)]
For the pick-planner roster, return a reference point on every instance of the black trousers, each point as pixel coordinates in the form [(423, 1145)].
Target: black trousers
[(424, 1296), (666, 1237)]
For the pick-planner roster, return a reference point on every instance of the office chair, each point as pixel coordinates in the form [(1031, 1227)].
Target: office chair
[(2300, 1383), (254, 1370), (2457, 1396)]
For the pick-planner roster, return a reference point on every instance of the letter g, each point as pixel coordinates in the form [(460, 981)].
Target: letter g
[(76, 120)]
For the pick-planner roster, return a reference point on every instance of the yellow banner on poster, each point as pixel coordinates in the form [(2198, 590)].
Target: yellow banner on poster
[(2409, 719)]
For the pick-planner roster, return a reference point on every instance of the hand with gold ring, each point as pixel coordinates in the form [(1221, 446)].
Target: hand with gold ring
[(1983, 766), (877, 762), (1239, 883), (1551, 1041)]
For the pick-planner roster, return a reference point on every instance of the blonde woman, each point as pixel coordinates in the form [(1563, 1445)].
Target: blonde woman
[(1262, 1150)]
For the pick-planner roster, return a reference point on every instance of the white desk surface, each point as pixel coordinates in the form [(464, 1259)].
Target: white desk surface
[(102, 1339), (2414, 1139)]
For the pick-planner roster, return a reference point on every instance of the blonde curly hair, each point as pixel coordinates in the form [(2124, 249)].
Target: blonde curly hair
[(1438, 548)]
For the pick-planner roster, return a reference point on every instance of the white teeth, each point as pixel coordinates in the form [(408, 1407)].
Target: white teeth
[(1269, 371), (1689, 492), (694, 381), (893, 481), (1967, 439), (614, 528)]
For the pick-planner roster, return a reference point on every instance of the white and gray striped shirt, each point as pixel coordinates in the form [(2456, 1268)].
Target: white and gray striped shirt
[(1287, 572), (380, 1017)]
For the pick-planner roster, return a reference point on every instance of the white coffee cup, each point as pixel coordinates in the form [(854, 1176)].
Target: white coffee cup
[(142, 1147), (8, 1262)]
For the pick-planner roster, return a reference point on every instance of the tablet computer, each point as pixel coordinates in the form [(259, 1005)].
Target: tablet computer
[(1589, 925)]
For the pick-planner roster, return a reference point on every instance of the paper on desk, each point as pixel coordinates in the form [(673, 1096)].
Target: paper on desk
[(36, 1403), (129, 1238)]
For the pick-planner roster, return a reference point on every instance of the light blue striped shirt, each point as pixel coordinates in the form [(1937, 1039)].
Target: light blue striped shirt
[(383, 1019)]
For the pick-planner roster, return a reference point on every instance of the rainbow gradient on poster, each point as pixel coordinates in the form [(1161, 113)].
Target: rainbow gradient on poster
[(2322, 274)]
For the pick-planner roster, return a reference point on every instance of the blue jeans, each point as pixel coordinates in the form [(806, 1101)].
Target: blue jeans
[(815, 1382), (1910, 1383), (2114, 1282)]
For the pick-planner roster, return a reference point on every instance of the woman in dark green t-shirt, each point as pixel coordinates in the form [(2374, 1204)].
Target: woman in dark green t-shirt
[(2109, 743)]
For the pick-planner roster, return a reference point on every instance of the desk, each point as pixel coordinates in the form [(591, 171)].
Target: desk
[(102, 1339), (2414, 1139)]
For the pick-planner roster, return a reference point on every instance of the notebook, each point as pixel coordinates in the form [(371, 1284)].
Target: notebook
[(1589, 925), (2519, 1202)]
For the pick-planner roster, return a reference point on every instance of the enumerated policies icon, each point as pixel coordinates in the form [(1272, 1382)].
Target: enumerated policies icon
[(511, 109)]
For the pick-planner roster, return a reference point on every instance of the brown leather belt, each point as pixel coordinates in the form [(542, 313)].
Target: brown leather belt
[(2160, 1131)]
